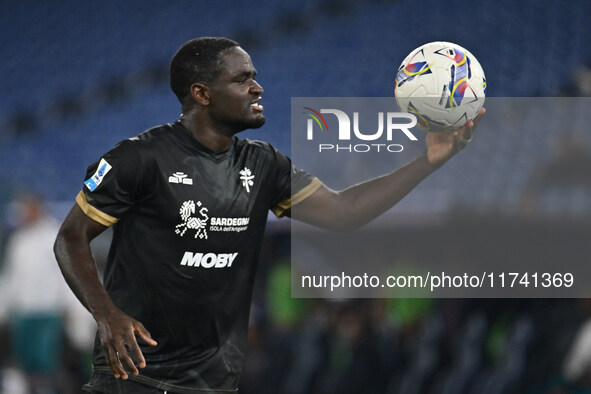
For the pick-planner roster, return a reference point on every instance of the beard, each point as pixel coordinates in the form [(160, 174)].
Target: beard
[(247, 122), (257, 122)]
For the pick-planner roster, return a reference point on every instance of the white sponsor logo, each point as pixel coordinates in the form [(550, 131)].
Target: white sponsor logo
[(236, 225), (180, 177), (190, 222), (208, 260), (229, 221), (247, 178), (195, 217)]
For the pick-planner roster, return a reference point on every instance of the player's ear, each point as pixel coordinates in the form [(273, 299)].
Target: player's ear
[(200, 93)]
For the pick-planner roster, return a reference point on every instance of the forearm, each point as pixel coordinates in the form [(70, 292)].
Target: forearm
[(116, 331), (365, 201), (359, 204), (74, 256)]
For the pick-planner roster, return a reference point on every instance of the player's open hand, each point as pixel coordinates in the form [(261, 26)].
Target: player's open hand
[(442, 146), (117, 333)]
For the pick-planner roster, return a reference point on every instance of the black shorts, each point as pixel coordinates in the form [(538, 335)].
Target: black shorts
[(103, 383)]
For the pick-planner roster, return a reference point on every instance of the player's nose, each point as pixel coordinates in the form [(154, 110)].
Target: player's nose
[(256, 88)]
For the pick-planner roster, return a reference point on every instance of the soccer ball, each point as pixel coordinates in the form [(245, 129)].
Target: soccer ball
[(442, 84)]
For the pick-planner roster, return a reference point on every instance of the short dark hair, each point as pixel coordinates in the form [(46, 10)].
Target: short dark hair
[(196, 61)]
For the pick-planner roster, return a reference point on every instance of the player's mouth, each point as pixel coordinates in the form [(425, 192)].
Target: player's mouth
[(257, 105)]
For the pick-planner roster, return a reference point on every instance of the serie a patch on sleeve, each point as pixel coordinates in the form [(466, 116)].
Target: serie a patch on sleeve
[(95, 180)]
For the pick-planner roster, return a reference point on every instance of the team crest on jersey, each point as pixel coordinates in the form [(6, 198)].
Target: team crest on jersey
[(191, 221), (95, 180), (247, 178)]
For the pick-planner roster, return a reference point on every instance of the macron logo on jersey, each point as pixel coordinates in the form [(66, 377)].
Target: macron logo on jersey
[(208, 260), (95, 180)]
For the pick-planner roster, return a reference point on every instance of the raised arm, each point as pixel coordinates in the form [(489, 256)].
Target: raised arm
[(359, 204), (116, 329)]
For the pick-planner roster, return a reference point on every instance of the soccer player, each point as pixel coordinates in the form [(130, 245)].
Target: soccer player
[(188, 203)]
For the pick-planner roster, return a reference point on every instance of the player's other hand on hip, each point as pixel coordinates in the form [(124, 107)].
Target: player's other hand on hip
[(117, 333)]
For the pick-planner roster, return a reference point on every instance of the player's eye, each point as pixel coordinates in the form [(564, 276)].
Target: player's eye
[(245, 78)]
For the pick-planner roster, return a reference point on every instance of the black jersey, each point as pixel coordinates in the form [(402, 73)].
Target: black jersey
[(188, 226)]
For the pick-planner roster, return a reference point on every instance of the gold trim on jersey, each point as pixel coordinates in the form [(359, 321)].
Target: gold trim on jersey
[(93, 213), (279, 209)]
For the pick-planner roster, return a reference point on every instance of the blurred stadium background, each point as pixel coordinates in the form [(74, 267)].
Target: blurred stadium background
[(76, 78)]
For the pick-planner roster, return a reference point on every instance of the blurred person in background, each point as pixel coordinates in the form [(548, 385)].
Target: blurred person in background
[(576, 368), (49, 334), (33, 295)]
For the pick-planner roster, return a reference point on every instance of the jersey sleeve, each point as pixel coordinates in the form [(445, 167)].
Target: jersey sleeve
[(112, 185), (292, 185)]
